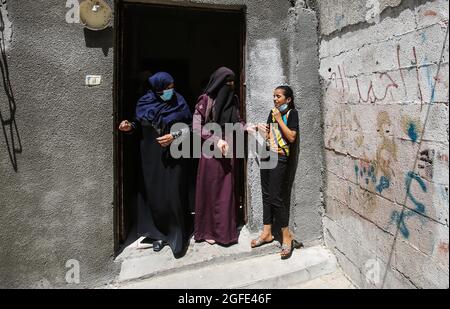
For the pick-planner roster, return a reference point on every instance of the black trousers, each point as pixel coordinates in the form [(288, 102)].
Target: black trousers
[(276, 188)]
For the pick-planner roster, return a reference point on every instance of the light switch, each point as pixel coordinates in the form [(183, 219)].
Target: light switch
[(93, 80)]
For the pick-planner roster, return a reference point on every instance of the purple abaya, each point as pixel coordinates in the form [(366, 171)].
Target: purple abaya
[(215, 205)]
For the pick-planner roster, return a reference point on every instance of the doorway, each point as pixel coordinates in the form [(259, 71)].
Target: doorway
[(190, 44)]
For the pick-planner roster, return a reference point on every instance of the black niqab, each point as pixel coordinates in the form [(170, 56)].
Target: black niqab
[(226, 102)]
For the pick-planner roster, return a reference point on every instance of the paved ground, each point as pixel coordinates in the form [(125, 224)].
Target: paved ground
[(336, 280)]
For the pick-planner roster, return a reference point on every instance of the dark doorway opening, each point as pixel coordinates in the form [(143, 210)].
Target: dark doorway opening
[(190, 44)]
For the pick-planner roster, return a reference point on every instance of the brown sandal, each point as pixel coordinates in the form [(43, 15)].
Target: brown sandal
[(258, 242), (286, 250)]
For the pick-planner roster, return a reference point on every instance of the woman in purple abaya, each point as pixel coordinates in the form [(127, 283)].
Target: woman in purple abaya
[(216, 204)]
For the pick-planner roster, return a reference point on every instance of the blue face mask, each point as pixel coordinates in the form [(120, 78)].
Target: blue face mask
[(167, 95), (283, 108)]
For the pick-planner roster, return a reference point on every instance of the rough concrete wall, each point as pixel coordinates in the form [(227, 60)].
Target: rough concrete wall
[(58, 205), (386, 138), (5, 23), (282, 48), (307, 197), (339, 14)]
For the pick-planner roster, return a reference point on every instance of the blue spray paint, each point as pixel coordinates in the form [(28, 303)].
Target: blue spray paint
[(384, 184), (430, 80), (400, 221), (409, 178), (372, 175), (412, 132), (420, 208), (366, 173), (372, 171), (424, 37)]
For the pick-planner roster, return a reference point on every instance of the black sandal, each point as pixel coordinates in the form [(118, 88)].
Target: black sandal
[(159, 245)]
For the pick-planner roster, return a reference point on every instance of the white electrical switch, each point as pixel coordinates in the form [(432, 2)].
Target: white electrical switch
[(93, 80)]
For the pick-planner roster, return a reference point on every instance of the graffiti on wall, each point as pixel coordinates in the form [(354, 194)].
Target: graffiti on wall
[(343, 122), (376, 174), (433, 165), (387, 151), (366, 177), (443, 247), (405, 175), (412, 80), (363, 198), (389, 86), (412, 127), (400, 218), (426, 161)]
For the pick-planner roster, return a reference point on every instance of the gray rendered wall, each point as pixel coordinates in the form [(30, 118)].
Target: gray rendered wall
[(58, 205)]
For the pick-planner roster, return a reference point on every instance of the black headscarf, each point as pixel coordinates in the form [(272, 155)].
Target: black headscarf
[(226, 102)]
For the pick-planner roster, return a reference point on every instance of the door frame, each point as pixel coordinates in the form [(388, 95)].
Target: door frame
[(119, 207)]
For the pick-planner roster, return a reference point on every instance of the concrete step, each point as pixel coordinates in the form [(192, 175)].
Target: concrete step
[(138, 262), (255, 272)]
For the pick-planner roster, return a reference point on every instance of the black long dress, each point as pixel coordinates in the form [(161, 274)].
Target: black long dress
[(164, 200)]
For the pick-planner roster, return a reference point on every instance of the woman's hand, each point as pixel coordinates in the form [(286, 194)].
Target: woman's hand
[(251, 128), (277, 115), (261, 128), (125, 126), (165, 140), (223, 146)]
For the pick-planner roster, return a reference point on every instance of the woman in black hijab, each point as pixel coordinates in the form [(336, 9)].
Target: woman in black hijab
[(164, 214)]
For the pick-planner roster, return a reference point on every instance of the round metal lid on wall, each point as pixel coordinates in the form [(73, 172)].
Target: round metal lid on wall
[(95, 14)]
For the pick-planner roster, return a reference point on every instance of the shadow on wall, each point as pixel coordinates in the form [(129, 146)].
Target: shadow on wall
[(9, 125), (103, 39)]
